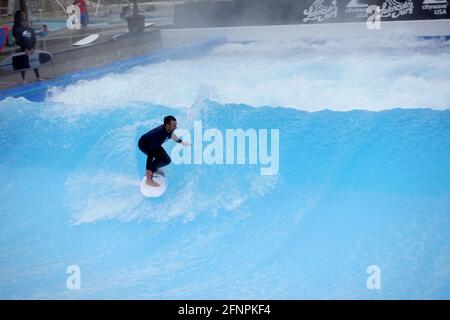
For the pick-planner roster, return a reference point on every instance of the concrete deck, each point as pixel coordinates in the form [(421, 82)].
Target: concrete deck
[(103, 51)]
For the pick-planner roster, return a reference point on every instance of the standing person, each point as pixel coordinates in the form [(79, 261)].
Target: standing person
[(25, 38), (150, 144), (83, 12)]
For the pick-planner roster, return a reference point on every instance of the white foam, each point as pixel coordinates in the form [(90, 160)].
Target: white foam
[(384, 73), (106, 186)]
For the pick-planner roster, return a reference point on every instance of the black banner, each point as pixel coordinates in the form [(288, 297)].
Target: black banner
[(201, 14), (223, 309)]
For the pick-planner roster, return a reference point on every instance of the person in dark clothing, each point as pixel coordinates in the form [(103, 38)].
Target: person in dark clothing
[(151, 145), (25, 38)]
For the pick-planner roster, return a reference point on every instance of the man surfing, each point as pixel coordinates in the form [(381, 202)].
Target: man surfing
[(150, 144)]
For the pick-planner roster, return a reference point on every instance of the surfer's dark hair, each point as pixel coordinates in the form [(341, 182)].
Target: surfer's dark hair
[(167, 119), (17, 17)]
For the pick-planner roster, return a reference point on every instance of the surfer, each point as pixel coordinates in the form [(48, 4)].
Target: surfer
[(150, 144), (25, 38)]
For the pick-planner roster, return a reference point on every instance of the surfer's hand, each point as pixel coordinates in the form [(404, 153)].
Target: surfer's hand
[(185, 144)]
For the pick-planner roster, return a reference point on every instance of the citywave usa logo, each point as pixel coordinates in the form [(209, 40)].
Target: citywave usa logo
[(439, 7), (319, 12), (395, 9), (357, 8)]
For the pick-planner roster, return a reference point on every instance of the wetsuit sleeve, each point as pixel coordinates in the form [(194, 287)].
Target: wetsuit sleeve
[(19, 37), (14, 33), (33, 39)]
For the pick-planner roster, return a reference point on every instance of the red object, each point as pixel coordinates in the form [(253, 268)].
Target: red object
[(82, 5), (4, 31)]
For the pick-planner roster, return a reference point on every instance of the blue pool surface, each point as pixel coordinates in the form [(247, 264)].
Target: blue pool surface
[(355, 188)]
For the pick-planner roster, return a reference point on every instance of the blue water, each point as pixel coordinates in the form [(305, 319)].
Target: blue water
[(354, 189), (53, 25), (56, 25)]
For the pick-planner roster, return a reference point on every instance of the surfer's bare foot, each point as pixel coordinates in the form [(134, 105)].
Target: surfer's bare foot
[(150, 182)]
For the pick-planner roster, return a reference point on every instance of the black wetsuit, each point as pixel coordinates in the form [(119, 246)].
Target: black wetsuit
[(26, 39), (150, 144)]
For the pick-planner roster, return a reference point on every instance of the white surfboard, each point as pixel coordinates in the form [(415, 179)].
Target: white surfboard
[(85, 41), (21, 61), (148, 25), (154, 192), (119, 35)]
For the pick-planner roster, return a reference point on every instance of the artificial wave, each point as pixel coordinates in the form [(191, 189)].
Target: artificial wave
[(358, 184)]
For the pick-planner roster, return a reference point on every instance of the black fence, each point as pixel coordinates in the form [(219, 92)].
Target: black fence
[(227, 13)]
